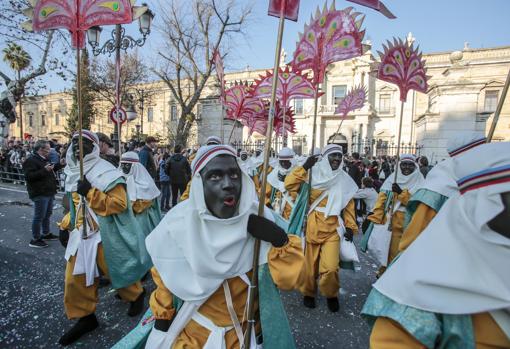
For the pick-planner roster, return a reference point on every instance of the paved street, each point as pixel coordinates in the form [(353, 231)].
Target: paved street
[(32, 285)]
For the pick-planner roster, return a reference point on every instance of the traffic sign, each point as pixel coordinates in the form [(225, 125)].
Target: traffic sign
[(121, 115)]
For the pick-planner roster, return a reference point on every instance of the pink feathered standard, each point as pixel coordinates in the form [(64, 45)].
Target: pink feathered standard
[(376, 5)]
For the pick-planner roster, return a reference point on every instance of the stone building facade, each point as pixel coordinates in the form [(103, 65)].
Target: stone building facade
[(465, 87)]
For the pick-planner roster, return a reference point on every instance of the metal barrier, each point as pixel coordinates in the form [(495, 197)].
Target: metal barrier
[(19, 178)]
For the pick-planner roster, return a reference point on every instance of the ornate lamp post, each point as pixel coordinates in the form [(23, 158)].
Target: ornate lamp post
[(120, 41)]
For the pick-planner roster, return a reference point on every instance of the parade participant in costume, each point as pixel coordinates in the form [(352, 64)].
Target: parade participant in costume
[(331, 214), (460, 298), (409, 180), (439, 185), (115, 244), (256, 164), (277, 196), (244, 161), (203, 252), (142, 192)]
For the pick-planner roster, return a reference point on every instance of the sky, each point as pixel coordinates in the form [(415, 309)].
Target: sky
[(437, 25)]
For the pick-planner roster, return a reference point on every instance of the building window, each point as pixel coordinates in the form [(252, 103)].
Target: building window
[(43, 119), (150, 114), (57, 119), (173, 112), (491, 101), (30, 119), (384, 103), (298, 106), (339, 92)]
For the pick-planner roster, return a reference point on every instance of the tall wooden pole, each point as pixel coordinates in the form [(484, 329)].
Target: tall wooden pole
[(262, 194), (117, 86), (499, 108), (80, 138), (394, 201)]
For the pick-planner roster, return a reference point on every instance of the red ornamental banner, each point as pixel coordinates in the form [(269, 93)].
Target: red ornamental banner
[(290, 9)]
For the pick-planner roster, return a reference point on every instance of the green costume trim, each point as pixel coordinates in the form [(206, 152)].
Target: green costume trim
[(72, 210), (276, 331), (297, 217), (363, 246), (150, 218), (124, 245), (430, 198), (435, 331)]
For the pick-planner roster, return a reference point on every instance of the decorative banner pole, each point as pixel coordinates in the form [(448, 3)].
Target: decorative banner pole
[(288, 9), (402, 65), (58, 14), (220, 74), (498, 109), (355, 99)]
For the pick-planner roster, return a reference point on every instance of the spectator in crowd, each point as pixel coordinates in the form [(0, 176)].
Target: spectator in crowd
[(164, 181), (147, 156), (424, 166), (355, 169), (367, 193), (54, 156), (41, 187), (179, 171), (106, 149), (385, 168)]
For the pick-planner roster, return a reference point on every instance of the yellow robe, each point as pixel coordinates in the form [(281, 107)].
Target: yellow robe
[(285, 264), (388, 334), (420, 220), (287, 210), (141, 205), (378, 217), (322, 253), (79, 300), (185, 195)]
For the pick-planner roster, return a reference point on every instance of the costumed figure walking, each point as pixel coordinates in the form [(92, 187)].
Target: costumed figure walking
[(459, 298), (331, 217), (277, 196), (114, 243), (142, 192), (203, 252)]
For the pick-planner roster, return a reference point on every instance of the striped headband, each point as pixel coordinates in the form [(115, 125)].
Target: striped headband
[(91, 136), (468, 146), (333, 149), (129, 160), (485, 178), (201, 160)]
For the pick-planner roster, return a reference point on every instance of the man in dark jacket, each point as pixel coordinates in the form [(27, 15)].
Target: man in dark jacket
[(147, 158), (354, 169), (42, 187), (179, 171)]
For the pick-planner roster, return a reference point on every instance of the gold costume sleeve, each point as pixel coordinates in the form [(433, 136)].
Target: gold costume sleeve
[(286, 264), (256, 181), (294, 179), (161, 301), (349, 216), (378, 216), (110, 203), (185, 195), (420, 220), (488, 334), (388, 334), (65, 223), (141, 205), (404, 197), (269, 189)]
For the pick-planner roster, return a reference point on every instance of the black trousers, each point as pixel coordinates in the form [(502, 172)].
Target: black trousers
[(177, 190)]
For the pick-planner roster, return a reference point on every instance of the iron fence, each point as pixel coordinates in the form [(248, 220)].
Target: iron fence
[(16, 176)]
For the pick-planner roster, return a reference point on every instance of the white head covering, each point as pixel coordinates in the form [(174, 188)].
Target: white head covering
[(99, 173), (441, 178), (194, 251), (140, 185), (458, 265), (272, 178), (340, 186), (213, 140), (412, 182)]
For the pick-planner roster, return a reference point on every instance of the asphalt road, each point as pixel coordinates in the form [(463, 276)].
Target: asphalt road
[(32, 287)]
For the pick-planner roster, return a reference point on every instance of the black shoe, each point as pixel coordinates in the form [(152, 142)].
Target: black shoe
[(49, 237), (136, 307), (84, 325), (309, 302), (37, 244), (333, 304)]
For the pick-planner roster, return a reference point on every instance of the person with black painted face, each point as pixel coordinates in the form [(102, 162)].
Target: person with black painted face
[(114, 242), (451, 286), (277, 196), (409, 180), (331, 217), (203, 251)]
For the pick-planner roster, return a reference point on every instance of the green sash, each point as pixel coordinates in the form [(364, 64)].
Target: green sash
[(297, 217), (150, 218), (430, 198)]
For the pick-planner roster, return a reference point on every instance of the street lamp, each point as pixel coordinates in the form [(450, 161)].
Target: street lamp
[(137, 133)]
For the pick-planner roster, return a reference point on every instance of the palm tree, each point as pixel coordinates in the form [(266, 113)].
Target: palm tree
[(19, 60)]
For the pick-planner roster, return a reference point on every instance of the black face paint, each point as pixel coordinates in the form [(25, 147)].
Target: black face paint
[(286, 164), (258, 152), (501, 223), (126, 167), (88, 147), (335, 160), (244, 157), (407, 167), (221, 178)]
